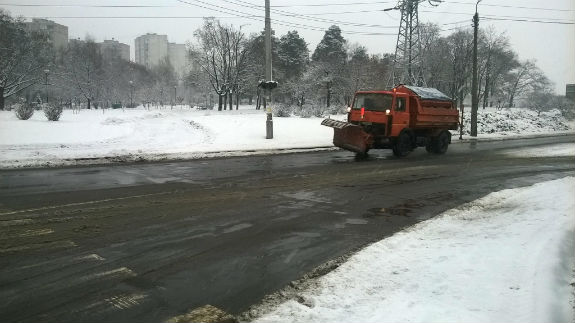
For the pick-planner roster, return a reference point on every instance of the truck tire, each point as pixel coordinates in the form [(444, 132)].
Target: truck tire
[(430, 144), (402, 146), (441, 143)]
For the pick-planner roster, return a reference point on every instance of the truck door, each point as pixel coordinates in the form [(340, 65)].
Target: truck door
[(400, 115)]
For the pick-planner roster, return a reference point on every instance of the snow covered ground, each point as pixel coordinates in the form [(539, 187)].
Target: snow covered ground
[(507, 257), (94, 136), (139, 134)]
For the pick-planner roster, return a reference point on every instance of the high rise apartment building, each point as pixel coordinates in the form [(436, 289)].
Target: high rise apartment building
[(114, 49), (57, 34), (151, 49), (178, 57)]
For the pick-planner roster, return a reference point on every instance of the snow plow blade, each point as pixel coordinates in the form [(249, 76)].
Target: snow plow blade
[(348, 136)]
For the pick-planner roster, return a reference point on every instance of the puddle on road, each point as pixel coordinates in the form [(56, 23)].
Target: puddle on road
[(408, 208), (403, 209)]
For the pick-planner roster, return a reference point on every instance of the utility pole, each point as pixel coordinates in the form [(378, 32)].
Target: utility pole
[(474, 94), (46, 72), (268, 92)]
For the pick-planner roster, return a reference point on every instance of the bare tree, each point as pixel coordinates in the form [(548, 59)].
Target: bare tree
[(495, 59), (23, 57), (522, 79), (83, 70), (221, 54)]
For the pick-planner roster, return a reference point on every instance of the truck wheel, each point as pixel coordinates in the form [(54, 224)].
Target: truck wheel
[(430, 145), (402, 146), (441, 143)]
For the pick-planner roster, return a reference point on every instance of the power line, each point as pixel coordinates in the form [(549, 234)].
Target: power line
[(287, 6), (83, 5), (445, 1), (277, 21), (302, 16), (135, 17), (307, 17), (535, 21), (333, 4), (497, 16), (513, 7)]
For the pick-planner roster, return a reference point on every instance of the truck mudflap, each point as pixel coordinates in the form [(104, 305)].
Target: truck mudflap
[(349, 136)]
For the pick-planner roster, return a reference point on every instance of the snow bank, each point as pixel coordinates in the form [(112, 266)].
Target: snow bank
[(507, 257), (138, 134), (149, 135), (491, 121)]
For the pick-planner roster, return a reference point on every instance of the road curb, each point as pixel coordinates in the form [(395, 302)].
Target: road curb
[(166, 158)]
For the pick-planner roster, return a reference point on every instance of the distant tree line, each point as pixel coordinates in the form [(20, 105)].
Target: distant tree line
[(227, 65)]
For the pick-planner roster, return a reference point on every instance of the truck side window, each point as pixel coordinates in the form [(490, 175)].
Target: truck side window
[(400, 104)]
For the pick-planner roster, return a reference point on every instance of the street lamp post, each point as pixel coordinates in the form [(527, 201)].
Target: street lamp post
[(175, 89), (46, 72), (131, 94)]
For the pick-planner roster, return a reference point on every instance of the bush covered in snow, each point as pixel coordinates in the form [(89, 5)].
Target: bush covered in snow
[(283, 110), (310, 110), (307, 110), (23, 110), (52, 112), (515, 121)]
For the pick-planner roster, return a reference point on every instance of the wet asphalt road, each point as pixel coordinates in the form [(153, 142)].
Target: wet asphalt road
[(147, 242)]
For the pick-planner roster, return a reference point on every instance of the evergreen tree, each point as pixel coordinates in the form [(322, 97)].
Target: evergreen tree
[(293, 55), (331, 48)]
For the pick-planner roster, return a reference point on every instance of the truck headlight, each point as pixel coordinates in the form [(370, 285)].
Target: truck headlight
[(348, 109), (387, 111)]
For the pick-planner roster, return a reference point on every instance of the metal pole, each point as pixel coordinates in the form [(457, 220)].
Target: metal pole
[(474, 94), (46, 83), (268, 46)]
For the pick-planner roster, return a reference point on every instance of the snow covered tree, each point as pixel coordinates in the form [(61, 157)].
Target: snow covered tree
[(523, 79), (23, 56), (221, 53), (255, 66), (82, 70), (293, 55), (331, 49), (496, 58), (330, 57)]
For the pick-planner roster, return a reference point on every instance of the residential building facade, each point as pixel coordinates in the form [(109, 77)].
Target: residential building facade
[(111, 49), (151, 49), (570, 92), (57, 34)]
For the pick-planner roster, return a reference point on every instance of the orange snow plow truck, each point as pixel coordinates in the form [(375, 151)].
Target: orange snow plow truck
[(401, 119)]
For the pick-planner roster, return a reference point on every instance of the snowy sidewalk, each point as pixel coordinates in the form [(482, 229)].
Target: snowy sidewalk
[(507, 257), (98, 137)]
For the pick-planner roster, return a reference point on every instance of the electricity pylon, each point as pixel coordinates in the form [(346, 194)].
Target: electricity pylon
[(407, 62)]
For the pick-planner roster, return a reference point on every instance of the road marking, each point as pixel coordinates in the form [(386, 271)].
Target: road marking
[(122, 271), (49, 245), (27, 233), (34, 233), (9, 223), (92, 256), (118, 271), (124, 302), (79, 204)]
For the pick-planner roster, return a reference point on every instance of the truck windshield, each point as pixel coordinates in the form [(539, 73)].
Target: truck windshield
[(373, 101)]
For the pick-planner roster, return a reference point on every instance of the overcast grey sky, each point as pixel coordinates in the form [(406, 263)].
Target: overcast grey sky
[(552, 45)]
